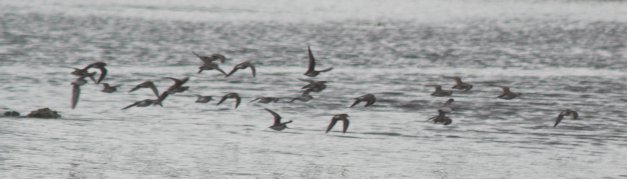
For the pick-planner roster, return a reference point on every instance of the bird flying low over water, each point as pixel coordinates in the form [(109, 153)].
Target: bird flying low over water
[(277, 125), (447, 106), (211, 58), (507, 94), (108, 88), (314, 86), (76, 89), (144, 103), (101, 67), (439, 92), (566, 112), (368, 98), (303, 97), (231, 95), (203, 99), (242, 66), (177, 87), (311, 71), (147, 84), (339, 117), (459, 84), (211, 66), (265, 100), (441, 118)]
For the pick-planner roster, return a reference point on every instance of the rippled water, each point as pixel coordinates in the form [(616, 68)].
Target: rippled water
[(559, 54)]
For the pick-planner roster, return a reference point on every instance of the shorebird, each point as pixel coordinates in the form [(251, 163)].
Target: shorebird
[(314, 86), (242, 66), (108, 88), (84, 72), (439, 92), (311, 71), (211, 66), (177, 87), (203, 99), (211, 58), (303, 97), (459, 84), (507, 94), (441, 118), (368, 98), (277, 125), (146, 84), (338, 117), (144, 103), (265, 100), (101, 67), (447, 106), (76, 89), (231, 95), (566, 112)]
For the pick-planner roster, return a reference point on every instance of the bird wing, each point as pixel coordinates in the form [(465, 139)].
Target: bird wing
[(328, 69), (357, 100), (559, 119), (103, 74), (370, 101), (277, 118), (312, 60), (154, 89), (237, 101), (129, 106), (252, 68), (222, 100), (232, 71), (333, 121), (345, 125), (221, 71), (76, 92)]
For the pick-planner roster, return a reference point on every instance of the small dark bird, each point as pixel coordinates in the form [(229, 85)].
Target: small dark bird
[(314, 86), (177, 87), (108, 88), (231, 95), (76, 89), (265, 100), (277, 125), (439, 92), (83, 72), (101, 67), (441, 118), (143, 103), (303, 97), (507, 94), (343, 118), (368, 98), (242, 66), (203, 99), (447, 106), (566, 112), (459, 84), (211, 58), (146, 84), (311, 71), (211, 66)]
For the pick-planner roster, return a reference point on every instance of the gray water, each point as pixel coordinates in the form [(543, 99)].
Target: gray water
[(559, 54)]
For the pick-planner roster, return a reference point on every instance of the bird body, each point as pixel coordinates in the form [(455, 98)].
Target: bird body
[(339, 117)]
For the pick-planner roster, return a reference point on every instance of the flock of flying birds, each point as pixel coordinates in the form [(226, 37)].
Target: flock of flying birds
[(210, 63)]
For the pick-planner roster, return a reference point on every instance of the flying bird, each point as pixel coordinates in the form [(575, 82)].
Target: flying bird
[(211, 58), (447, 106), (101, 67), (265, 100), (177, 87), (277, 125), (339, 117), (108, 88), (566, 112), (231, 95), (439, 92), (242, 66), (143, 103), (146, 84), (441, 118), (459, 84), (203, 99), (314, 86), (507, 94), (368, 98), (311, 71)]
